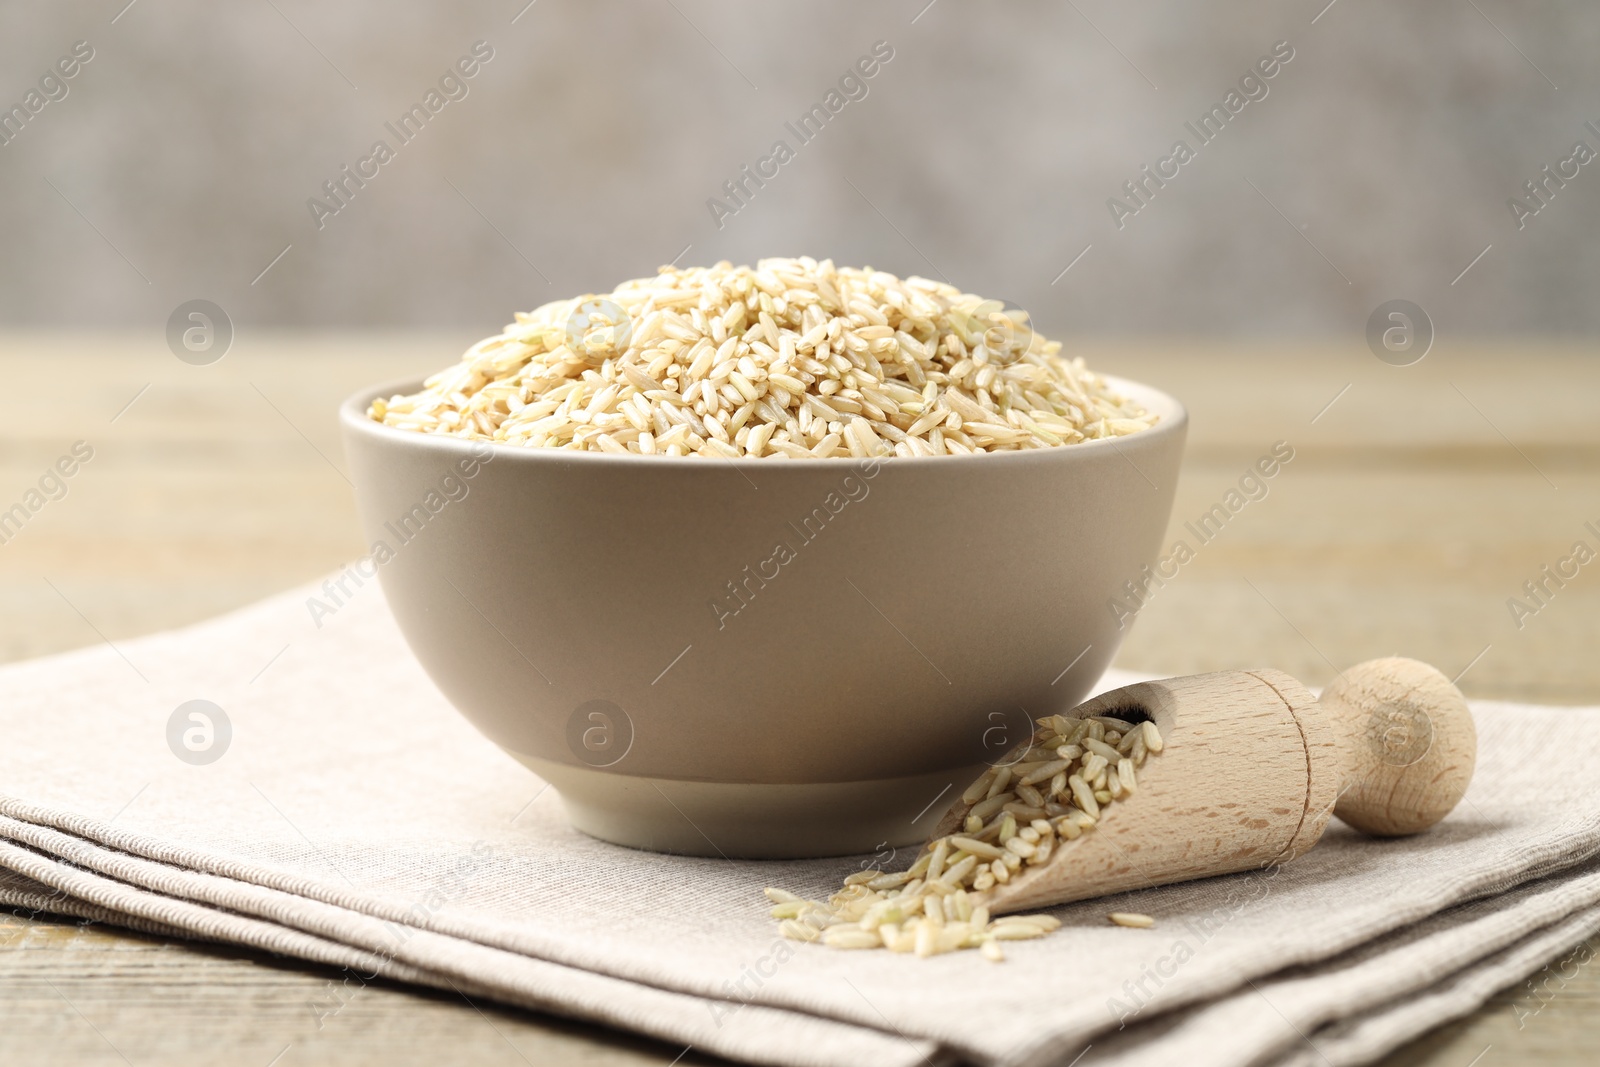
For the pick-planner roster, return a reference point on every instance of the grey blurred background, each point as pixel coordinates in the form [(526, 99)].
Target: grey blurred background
[(180, 162)]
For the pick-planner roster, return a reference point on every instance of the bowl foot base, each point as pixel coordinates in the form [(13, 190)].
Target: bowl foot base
[(736, 821)]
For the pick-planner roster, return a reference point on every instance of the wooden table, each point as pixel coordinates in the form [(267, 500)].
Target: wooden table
[(1420, 498)]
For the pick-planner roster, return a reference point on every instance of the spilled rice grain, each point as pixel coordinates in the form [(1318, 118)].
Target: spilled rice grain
[(941, 903)]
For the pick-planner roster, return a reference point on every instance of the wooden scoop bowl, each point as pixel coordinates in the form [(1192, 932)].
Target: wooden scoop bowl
[(1252, 767)]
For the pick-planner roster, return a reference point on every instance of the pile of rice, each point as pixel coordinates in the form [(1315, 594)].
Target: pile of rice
[(1015, 820), (793, 359)]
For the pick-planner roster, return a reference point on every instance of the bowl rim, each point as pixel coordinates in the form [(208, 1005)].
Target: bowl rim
[(353, 417)]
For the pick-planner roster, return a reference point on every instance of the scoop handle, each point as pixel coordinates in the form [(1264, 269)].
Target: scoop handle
[(1408, 745)]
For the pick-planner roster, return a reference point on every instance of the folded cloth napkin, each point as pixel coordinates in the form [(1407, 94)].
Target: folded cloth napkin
[(350, 817)]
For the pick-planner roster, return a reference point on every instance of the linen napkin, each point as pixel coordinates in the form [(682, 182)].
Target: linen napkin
[(354, 819)]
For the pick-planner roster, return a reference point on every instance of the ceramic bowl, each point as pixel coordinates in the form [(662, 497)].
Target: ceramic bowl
[(760, 658)]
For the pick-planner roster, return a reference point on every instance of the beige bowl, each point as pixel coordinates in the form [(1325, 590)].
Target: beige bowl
[(759, 658)]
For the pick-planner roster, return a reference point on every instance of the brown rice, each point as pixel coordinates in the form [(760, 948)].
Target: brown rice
[(793, 358), (941, 903)]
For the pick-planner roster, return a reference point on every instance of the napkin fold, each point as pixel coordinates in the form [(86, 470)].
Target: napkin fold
[(344, 814)]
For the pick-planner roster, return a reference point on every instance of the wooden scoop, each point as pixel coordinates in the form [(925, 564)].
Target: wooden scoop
[(1251, 768)]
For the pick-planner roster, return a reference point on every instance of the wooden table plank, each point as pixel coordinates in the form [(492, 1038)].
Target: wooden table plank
[(71, 994), (1415, 505)]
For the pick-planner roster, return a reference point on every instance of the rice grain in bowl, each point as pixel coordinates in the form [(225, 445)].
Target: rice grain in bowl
[(794, 359), (754, 657)]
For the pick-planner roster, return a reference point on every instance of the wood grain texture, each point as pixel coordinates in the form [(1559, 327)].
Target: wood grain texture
[(1416, 504), (72, 994), (1409, 742), (1327, 762)]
